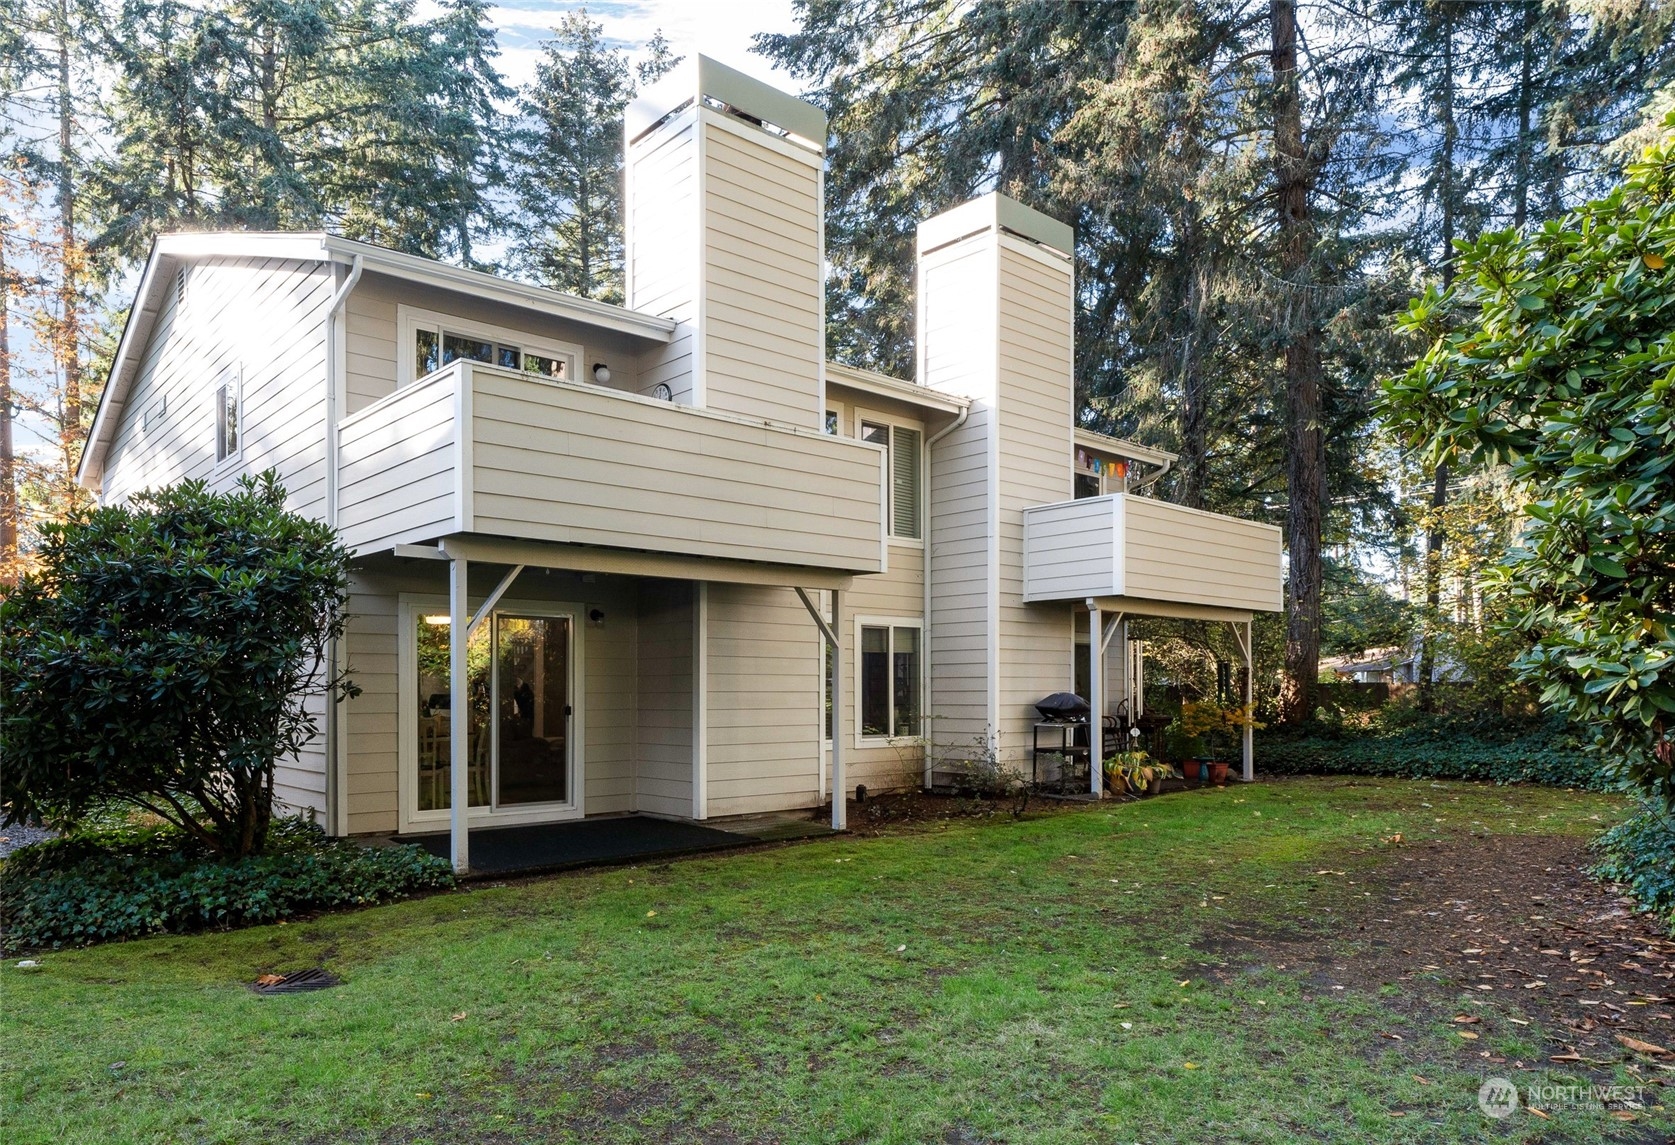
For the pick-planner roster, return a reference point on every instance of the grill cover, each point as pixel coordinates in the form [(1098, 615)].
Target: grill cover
[(1062, 706)]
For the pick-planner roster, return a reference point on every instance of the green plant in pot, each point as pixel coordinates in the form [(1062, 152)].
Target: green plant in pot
[(1136, 772), (1216, 732)]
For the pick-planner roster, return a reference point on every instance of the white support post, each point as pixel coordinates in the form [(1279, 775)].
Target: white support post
[(1243, 635), (840, 809), (840, 805), (459, 717), (1096, 700)]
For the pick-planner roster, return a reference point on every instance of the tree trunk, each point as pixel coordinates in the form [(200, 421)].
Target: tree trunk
[(68, 349), (8, 463), (1439, 492), (1305, 441), (1526, 109)]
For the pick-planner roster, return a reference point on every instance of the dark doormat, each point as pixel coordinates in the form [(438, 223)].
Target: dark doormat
[(551, 846)]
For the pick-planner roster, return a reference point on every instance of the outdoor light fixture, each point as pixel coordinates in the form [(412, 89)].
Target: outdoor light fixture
[(601, 373), (597, 617)]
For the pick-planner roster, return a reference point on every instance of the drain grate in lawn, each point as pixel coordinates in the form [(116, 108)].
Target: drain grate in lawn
[(295, 982)]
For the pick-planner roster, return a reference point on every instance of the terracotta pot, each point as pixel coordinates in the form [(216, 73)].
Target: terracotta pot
[(1218, 773), (1189, 770)]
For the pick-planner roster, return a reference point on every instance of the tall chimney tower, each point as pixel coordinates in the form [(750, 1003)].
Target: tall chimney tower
[(724, 227)]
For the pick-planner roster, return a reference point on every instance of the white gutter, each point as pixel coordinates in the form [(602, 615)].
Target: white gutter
[(925, 619), (337, 754)]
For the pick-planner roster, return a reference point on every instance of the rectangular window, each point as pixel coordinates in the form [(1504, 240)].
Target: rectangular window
[(226, 418), (889, 680), (436, 341), (457, 346), (547, 367), (903, 446)]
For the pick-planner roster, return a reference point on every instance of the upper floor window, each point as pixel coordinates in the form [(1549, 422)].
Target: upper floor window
[(1096, 476), (432, 341), (903, 445), (227, 412)]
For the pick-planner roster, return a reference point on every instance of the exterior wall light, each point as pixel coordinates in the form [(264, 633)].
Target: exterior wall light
[(601, 373)]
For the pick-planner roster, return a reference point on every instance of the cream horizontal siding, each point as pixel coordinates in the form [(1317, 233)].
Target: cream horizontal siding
[(663, 740), (958, 301), (1158, 551), (371, 321), (1035, 360), (571, 464), (762, 341), (1178, 554), (762, 674), (397, 461), (1072, 549), (662, 249), (265, 319), (611, 700), (898, 595)]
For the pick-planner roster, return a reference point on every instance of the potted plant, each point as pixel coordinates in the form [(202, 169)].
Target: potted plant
[(1210, 735), (1136, 772)]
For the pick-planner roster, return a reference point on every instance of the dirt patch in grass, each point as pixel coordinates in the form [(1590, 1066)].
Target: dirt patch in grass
[(899, 812), (1502, 936)]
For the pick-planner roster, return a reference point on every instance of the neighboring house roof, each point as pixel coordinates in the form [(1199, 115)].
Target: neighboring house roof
[(1370, 660), (169, 251)]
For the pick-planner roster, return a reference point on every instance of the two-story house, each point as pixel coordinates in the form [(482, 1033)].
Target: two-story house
[(664, 558)]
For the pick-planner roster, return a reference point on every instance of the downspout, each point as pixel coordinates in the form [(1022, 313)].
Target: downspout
[(925, 619), (337, 755), (1152, 478)]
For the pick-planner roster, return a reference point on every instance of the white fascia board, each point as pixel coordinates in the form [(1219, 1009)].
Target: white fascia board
[(1104, 443), (996, 212), (882, 385), (503, 290)]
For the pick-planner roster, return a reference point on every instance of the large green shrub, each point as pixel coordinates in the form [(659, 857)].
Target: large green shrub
[(166, 655), (129, 882), (1413, 745), (1639, 853), (1555, 352)]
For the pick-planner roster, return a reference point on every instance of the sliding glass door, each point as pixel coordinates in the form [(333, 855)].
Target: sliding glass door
[(532, 686), (518, 701)]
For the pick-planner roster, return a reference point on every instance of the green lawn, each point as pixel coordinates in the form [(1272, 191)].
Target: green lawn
[(1048, 980)]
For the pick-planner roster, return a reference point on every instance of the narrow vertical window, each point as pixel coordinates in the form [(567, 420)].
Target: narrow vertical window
[(427, 352), (875, 681), (903, 446), (226, 418), (904, 482), (904, 683)]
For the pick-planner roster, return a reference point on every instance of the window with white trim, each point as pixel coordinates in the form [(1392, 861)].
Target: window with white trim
[(432, 341), (228, 409), (888, 699), (903, 444)]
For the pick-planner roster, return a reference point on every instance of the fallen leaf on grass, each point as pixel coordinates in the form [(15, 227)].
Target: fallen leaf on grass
[(1538, 1112), (1392, 1037), (651, 914), (270, 979), (1467, 1019), (1567, 1057), (459, 1017), (1467, 1034), (1622, 1115), (1188, 1065), (1641, 1047), (1186, 983), (1421, 1080)]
